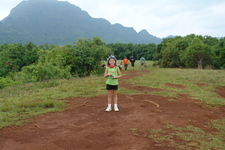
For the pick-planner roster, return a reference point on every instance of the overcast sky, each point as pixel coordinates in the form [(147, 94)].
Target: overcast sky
[(159, 17)]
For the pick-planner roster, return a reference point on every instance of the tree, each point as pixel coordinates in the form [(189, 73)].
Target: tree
[(87, 55), (167, 53), (81, 59), (196, 54), (222, 58), (211, 41), (15, 56), (121, 50), (30, 54), (170, 56)]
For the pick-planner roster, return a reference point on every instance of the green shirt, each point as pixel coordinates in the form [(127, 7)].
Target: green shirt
[(114, 72)]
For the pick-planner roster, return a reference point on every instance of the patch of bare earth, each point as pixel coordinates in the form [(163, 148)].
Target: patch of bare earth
[(221, 91), (86, 125), (200, 84)]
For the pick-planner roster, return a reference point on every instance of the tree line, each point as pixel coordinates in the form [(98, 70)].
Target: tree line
[(121, 50), (191, 51), (31, 63)]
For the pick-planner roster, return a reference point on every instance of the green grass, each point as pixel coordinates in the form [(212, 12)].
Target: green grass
[(131, 92), (158, 78), (189, 137), (19, 103)]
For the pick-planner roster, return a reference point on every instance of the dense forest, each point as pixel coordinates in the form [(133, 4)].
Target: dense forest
[(26, 63)]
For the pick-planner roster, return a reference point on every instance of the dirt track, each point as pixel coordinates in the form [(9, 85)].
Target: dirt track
[(87, 126)]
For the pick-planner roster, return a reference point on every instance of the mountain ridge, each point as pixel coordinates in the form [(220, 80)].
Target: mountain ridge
[(60, 22)]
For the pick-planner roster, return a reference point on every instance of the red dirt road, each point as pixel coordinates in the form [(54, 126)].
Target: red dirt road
[(86, 125)]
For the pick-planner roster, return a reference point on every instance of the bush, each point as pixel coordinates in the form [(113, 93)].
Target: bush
[(41, 72), (4, 82)]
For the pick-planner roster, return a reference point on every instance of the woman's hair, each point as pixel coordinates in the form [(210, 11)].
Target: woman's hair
[(111, 57)]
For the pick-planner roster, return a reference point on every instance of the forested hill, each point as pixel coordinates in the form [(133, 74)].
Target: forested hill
[(59, 22)]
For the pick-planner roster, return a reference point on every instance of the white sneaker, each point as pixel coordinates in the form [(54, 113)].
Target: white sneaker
[(116, 109), (108, 109)]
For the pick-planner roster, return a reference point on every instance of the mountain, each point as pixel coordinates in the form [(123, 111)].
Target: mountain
[(59, 22)]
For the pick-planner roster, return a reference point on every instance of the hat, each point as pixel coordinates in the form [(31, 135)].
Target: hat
[(111, 56)]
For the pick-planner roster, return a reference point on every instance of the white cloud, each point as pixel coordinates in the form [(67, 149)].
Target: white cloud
[(6, 6)]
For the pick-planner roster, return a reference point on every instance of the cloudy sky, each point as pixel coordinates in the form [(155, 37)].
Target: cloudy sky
[(159, 17)]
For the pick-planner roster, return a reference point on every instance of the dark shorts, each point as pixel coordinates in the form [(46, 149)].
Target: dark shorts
[(132, 64), (111, 87)]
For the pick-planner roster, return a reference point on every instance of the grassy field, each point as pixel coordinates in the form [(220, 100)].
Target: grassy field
[(22, 102), (19, 103), (189, 78), (189, 137)]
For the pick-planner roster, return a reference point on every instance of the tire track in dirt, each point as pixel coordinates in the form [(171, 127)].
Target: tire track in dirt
[(86, 126)]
